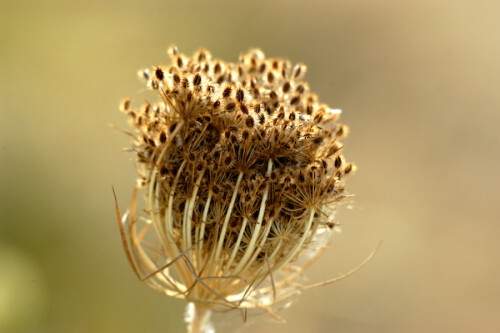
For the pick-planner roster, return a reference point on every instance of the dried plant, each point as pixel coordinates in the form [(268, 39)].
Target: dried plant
[(241, 169)]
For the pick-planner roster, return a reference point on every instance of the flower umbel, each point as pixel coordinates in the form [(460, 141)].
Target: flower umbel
[(241, 169)]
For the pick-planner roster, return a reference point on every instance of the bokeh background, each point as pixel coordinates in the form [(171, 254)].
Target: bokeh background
[(419, 85)]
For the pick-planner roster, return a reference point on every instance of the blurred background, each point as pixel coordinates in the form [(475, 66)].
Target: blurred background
[(418, 82)]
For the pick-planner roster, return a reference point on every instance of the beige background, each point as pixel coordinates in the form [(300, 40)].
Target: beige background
[(419, 85)]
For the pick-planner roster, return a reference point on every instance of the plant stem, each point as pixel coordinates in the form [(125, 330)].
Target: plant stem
[(197, 318)]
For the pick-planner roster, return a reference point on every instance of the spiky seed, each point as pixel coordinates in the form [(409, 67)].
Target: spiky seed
[(217, 68), (240, 95), (348, 168), (226, 92), (270, 77), (159, 74), (125, 106), (249, 122), (197, 79), (295, 100), (163, 137), (338, 162), (286, 87)]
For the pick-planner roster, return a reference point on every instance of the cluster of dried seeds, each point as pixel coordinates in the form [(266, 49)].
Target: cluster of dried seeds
[(241, 167)]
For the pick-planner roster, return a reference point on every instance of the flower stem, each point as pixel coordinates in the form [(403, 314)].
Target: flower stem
[(197, 318)]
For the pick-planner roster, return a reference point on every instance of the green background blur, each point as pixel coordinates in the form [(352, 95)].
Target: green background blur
[(419, 85)]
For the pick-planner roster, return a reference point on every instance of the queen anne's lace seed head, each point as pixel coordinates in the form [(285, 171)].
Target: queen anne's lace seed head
[(241, 168)]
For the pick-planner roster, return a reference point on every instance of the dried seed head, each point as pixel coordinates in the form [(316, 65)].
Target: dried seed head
[(237, 164)]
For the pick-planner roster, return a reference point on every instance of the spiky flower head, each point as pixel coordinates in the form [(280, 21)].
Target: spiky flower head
[(241, 169)]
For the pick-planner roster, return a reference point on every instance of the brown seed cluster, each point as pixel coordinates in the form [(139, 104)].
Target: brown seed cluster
[(241, 167)]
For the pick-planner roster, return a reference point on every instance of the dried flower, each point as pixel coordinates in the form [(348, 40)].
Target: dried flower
[(241, 169)]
